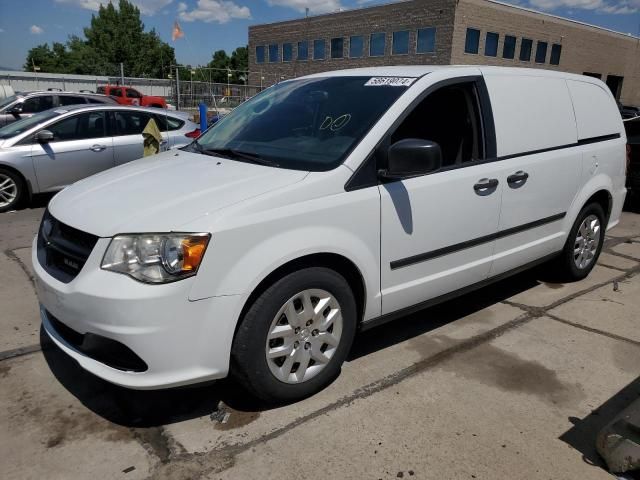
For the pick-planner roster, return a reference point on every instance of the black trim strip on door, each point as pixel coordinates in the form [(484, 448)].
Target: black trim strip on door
[(423, 257), (584, 141)]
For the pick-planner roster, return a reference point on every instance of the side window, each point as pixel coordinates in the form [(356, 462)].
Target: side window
[(131, 93), (79, 127), (131, 123), (166, 122), (450, 116), (70, 100), (95, 100), (37, 104), (116, 92)]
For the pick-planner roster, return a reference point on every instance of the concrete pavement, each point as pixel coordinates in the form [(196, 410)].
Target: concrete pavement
[(512, 381)]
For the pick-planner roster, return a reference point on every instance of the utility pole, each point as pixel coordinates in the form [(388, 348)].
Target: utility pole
[(178, 87), (121, 74)]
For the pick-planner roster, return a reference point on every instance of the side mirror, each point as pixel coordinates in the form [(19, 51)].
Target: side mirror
[(44, 136), (16, 109), (412, 157)]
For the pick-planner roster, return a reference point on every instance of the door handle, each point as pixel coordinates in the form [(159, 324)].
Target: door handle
[(486, 186), (98, 148), (518, 179)]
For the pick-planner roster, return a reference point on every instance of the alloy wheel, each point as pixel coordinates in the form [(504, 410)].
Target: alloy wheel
[(8, 190), (587, 242)]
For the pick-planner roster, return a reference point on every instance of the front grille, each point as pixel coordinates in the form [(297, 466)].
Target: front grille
[(102, 349), (63, 250)]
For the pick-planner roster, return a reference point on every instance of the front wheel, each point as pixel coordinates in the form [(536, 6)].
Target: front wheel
[(582, 249), (295, 336), (11, 190)]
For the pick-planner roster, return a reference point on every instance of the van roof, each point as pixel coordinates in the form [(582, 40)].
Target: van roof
[(421, 70)]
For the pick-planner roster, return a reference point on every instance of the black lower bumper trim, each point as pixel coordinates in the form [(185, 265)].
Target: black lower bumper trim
[(102, 349)]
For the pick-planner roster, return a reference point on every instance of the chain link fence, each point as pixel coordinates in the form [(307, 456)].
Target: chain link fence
[(187, 96)]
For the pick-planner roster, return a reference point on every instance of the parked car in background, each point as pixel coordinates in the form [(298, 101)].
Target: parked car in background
[(632, 127), (323, 205), (627, 111), (53, 149), (131, 96), (24, 104)]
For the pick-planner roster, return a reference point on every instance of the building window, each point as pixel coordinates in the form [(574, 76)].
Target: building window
[(273, 53), (491, 44), (337, 47), (260, 54), (377, 44), (356, 46), (509, 49), (556, 49), (541, 52), (287, 52), (303, 50), (400, 45), (472, 41), (426, 42), (318, 49), (525, 49), (593, 74)]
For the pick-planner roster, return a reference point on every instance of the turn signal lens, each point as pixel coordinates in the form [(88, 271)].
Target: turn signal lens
[(193, 250)]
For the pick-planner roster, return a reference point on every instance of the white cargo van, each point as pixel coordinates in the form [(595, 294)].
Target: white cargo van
[(326, 204)]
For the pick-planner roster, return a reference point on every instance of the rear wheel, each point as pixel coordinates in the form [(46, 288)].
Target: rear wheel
[(11, 190), (582, 249), (294, 338)]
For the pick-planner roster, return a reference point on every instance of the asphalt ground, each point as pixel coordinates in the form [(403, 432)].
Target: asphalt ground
[(511, 382)]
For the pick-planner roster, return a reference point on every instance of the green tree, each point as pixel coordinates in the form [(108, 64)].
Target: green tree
[(219, 64), (240, 62), (115, 35)]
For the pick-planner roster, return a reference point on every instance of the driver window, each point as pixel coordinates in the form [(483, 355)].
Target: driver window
[(450, 116), (132, 93), (79, 127)]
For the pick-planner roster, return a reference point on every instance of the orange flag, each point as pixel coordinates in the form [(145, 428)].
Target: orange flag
[(176, 32)]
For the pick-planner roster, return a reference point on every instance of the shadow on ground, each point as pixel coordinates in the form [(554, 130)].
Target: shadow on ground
[(582, 436), (134, 408)]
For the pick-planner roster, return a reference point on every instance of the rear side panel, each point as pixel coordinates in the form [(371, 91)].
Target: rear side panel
[(603, 143), (535, 136)]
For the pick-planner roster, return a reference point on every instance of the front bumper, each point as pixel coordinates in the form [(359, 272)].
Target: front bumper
[(180, 341)]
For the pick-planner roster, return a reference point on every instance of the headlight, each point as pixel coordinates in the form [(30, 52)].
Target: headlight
[(156, 257)]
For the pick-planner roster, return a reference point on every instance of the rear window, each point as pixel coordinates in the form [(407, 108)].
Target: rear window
[(37, 104)]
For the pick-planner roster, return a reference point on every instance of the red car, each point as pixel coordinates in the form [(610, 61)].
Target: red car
[(130, 96)]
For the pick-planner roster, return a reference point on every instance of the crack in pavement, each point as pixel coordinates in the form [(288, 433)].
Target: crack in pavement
[(11, 254), (18, 352), (594, 330)]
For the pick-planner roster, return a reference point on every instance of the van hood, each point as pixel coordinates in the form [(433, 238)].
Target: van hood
[(163, 192)]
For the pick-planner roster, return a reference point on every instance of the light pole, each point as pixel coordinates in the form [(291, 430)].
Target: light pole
[(228, 82)]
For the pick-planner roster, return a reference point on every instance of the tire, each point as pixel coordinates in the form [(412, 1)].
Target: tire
[(12, 189), (282, 312), (567, 264)]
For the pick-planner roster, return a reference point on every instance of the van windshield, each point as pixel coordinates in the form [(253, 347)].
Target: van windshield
[(21, 126), (307, 124)]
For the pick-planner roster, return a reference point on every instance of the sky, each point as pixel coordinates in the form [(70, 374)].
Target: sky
[(211, 25)]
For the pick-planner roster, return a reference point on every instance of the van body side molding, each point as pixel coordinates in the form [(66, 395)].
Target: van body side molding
[(423, 257), (583, 141), (388, 317)]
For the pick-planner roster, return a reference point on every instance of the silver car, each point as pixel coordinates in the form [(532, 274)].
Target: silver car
[(24, 104), (53, 149)]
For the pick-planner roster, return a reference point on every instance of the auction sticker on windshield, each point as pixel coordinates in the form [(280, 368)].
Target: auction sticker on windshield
[(389, 81)]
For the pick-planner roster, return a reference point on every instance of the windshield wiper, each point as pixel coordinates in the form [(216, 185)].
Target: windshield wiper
[(238, 154)]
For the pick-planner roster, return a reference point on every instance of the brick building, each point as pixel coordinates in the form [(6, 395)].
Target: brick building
[(440, 32)]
